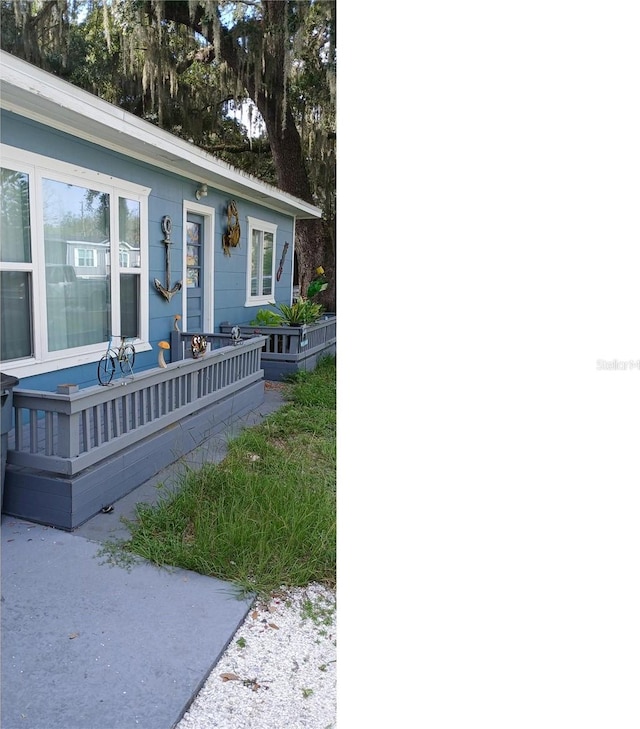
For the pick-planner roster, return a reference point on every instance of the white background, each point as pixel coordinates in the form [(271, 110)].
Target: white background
[(489, 251)]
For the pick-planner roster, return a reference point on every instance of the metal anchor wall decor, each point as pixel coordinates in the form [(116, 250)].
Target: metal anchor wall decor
[(166, 291)]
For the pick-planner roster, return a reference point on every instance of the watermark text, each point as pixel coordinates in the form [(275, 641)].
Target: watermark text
[(618, 364)]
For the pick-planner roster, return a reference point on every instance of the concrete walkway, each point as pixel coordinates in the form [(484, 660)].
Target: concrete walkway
[(86, 645)]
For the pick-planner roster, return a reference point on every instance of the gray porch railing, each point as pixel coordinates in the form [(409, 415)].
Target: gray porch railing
[(181, 343), (289, 349), (65, 434)]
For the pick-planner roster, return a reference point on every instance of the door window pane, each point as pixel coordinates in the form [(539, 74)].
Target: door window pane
[(194, 244), (193, 278), (15, 233), (76, 228), (15, 315)]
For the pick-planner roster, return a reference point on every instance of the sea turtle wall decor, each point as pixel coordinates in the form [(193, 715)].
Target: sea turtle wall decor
[(231, 237)]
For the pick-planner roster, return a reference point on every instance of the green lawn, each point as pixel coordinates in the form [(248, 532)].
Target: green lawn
[(264, 517)]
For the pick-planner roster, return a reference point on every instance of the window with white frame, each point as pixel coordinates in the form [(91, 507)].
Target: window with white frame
[(72, 259), (261, 268)]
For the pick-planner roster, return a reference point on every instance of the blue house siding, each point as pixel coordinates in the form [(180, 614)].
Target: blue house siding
[(168, 191), (230, 281)]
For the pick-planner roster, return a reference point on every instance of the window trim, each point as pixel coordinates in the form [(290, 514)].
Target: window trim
[(265, 227), (37, 167)]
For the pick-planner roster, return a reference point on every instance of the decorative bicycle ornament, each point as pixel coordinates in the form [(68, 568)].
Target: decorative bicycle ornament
[(124, 355)]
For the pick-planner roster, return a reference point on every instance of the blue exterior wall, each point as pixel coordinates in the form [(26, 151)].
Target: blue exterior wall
[(168, 191)]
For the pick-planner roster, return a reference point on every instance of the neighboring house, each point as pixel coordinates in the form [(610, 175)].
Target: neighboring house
[(100, 211)]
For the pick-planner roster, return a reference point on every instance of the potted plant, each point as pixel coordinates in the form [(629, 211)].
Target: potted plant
[(300, 312)]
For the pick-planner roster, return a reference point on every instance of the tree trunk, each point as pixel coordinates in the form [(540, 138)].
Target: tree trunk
[(311, 240), (314, 247)]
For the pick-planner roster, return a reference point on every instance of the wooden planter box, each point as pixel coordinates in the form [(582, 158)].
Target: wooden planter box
[(291, 349)]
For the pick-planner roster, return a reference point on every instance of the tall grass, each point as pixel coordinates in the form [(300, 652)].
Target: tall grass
[(266, 515)]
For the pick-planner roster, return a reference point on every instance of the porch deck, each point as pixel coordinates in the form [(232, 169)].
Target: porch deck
[(288, 350), (70, 455)]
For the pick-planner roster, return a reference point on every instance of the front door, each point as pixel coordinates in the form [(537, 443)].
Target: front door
[(195, 273)]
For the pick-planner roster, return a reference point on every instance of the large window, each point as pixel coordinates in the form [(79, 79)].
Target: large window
[(261, 269), (71, 259), (16, 339)]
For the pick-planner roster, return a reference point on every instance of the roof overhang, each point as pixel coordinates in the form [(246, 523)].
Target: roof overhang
[(35, 94)]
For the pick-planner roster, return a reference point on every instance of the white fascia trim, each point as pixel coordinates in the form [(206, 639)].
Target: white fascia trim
[(166, 149)]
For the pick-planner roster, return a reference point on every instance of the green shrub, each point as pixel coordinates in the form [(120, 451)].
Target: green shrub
[(267, 318)]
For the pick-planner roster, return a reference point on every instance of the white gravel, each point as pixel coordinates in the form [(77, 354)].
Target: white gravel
[(279, 669)]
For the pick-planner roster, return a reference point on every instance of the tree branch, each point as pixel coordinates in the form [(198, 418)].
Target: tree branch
[(202, 55), (44, 11), (178, 12)]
